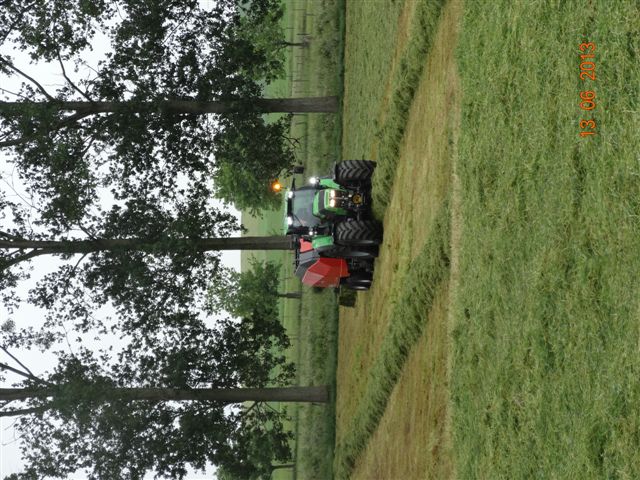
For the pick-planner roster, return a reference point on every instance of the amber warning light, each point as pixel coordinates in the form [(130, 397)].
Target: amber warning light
[(276, 186)]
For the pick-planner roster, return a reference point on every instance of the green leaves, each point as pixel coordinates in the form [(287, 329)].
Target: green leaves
[(66, 147), (250, 154), (112, 132), (243, 294), (89, 418)]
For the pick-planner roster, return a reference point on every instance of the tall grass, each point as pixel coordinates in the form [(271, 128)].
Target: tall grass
[(546, 364)]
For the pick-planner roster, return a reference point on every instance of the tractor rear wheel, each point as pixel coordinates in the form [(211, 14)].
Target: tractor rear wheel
[(359, 233), (359, 281), (362, 252), (350, 172)]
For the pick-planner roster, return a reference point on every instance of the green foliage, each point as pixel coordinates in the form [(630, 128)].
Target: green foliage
[(85, 415), (250, 154), (241, 293), (265, 37), (77, 22), (161, 278), (177, 52), (261, 447)]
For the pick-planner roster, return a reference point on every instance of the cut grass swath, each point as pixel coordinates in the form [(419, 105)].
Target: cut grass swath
[(429, 269), (405, 83)]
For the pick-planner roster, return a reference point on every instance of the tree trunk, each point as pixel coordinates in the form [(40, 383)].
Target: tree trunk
[(293, 44), (317, 394), (290, 295), (264, 105), (286, 465), (285, 242)]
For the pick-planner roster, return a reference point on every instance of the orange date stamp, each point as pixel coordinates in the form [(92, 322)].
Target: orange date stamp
[(587, 97)]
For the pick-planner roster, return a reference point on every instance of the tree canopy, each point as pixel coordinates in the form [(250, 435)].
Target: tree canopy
[(154, 406), (153, 261), (129, 133), (175, 103), (255, 289), (138, 122), (150, 260), (142, 257)]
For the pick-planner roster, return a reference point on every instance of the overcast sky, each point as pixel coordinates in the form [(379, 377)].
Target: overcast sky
[(50, 76)]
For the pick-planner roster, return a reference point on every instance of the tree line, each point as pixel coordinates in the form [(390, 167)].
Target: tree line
[(170, 118)]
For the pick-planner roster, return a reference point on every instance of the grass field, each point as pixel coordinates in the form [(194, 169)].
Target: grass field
[(501, 337), (378, 373), (526, 359), (546, 345)]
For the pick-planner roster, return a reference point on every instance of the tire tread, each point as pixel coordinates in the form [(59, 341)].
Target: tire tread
[(349, 171)]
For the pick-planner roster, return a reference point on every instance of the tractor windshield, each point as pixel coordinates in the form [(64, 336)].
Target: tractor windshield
[(302, 208)]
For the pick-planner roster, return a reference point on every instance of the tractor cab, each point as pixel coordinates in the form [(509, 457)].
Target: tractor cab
[(299, 212), (337, 238)]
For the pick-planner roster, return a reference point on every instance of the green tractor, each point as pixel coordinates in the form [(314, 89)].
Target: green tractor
[(336, 237)]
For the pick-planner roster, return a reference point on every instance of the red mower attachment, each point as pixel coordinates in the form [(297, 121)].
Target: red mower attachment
[(317, 271), (326, 272)]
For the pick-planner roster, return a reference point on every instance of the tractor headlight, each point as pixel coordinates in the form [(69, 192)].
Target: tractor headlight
[(332, 193), (289, 221), (313, 180), (290, 194), (332, 202)]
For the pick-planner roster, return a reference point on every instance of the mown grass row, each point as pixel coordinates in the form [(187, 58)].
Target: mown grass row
[(318, 333), (428, 270), (546, 342), (404, 85)]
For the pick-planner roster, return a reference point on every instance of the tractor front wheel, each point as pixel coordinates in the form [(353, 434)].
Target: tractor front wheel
[(355, 233)]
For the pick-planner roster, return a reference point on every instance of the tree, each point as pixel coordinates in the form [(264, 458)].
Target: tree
[(159, 404), (151, 260), (249, 189), (224, 473), (255, 289), (144, 117), (269, 37)]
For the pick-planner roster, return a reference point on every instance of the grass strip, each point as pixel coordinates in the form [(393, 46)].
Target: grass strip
[(311, 322), (405, 84), (318, 320), (423, 278)]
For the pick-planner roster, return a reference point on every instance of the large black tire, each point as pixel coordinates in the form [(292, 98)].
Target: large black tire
[(356, 233), (354, 172), (363, 252), (359, 281)]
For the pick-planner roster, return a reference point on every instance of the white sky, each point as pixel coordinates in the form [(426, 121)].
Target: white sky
[(50, 76)]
